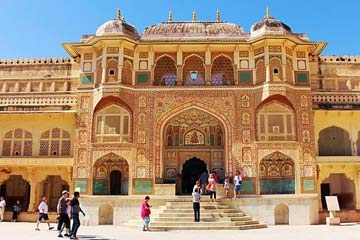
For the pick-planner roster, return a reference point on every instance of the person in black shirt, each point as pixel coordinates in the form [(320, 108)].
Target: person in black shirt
[(75, 206)]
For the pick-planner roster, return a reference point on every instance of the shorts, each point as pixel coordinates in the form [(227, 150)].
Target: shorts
[(237, 188), (43, 216)]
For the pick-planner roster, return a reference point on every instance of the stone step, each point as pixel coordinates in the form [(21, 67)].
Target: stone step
[(203, 223), (203, 218), (195, 226), (207, 210), (221, 214)]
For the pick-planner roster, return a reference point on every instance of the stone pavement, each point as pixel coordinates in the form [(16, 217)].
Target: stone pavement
[(314, 232)]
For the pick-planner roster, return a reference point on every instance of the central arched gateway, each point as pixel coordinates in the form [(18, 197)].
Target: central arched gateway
[(193, 141), (191, 171)]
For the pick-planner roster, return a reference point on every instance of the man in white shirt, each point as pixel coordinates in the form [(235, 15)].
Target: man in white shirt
[(237, 184), (43, 213), (2, 208)]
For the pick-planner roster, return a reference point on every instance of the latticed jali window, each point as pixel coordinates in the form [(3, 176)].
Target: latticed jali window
[(17, 143), (260, 71), (165, 72), (222, 72), (194, 71), (276, 122), (126, 74), (113, 125), (55, 142)]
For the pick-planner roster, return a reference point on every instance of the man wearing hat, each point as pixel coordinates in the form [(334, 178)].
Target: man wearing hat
[(62, 215)]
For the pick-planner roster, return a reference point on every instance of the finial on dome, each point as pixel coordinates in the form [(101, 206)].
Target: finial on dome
[(170, 17), (118, 14), (218, 18), (267, 15), (194, 18)]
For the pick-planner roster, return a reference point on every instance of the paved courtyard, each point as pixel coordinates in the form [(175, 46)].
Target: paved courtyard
[(26, 231)]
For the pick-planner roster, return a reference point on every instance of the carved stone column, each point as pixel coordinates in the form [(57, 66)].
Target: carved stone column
[(208, 75)]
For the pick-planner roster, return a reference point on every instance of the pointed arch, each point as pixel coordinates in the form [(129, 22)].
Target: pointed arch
[(334, 141), (112, 70), (222, 71), (276, 73), (194, 70), (126, 73), (165, 71), (260, 71), (17, 142)]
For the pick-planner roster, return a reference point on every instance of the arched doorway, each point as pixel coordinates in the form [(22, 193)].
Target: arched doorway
[(106, 214), (338, 184), (192, 169), (277, 174), (115, 182), (281, 213), (192, 133), (16, 188), (111, 175), (52, 187)]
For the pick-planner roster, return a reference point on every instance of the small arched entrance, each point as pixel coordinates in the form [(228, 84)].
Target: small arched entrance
[(115, 182), (192, 169), (281, 213), (13, 189)]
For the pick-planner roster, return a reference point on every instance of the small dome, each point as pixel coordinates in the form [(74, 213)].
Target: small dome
[(269, 25), (117, 26)]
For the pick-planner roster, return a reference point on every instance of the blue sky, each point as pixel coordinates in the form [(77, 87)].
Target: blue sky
[(36, 28)]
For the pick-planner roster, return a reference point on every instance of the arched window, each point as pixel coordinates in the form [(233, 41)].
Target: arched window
[(334, 141), (113, 124), (194, 71), (260, 71), (17, 143), (276, 69), (55, 142), (165, 72), (222, 71), (112, 70), (276, 122), (126, 73)]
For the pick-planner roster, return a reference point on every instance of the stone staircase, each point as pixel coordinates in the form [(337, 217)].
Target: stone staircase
[(179, 215)]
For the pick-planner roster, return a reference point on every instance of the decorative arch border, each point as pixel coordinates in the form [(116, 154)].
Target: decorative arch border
[(193, 55), (164, 55), (164, 118)]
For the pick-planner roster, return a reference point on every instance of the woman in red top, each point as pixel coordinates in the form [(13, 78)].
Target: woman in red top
[(145, 213)]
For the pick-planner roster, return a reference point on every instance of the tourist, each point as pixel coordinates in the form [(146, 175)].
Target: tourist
[(204, 181), (2, 208), (62, 214), (211, 187), (43, 214), (227, 186), (237, 184), (17, 207), (75, 209), (216, 177), (196, 202), (197, 186), (145, 213)]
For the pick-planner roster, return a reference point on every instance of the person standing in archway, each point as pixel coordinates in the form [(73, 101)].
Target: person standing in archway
[(2, 208), (204, 181), (237, 184), (211, 187)]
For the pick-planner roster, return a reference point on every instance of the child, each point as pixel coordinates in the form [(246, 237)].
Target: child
[(227, 186)]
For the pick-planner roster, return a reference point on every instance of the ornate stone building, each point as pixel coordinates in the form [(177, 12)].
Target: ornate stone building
[(132, 114)]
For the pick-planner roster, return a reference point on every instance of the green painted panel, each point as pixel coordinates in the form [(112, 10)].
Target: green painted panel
[(277, 186), (245, 77), (143, 78), (302, 78), (142, 186), (247, 186), (86, 79), (100, 187), (80, 185), (309, 184)]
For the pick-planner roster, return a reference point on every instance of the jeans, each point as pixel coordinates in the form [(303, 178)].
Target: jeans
[(146, 222), (196, 206), (76, 224), (212, 194)]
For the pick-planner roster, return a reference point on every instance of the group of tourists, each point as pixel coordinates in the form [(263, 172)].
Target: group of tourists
[(206, 183), (66, 209), (17, 208)]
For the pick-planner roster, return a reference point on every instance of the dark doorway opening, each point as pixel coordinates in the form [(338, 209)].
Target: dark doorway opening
[(115, 183), (191, 172), (325, 191)]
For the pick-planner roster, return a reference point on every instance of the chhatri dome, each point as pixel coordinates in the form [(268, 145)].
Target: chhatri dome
[(117, 26), (269, 25)]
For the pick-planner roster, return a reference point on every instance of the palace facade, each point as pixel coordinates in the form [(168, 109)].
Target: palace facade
[(134, 114)]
